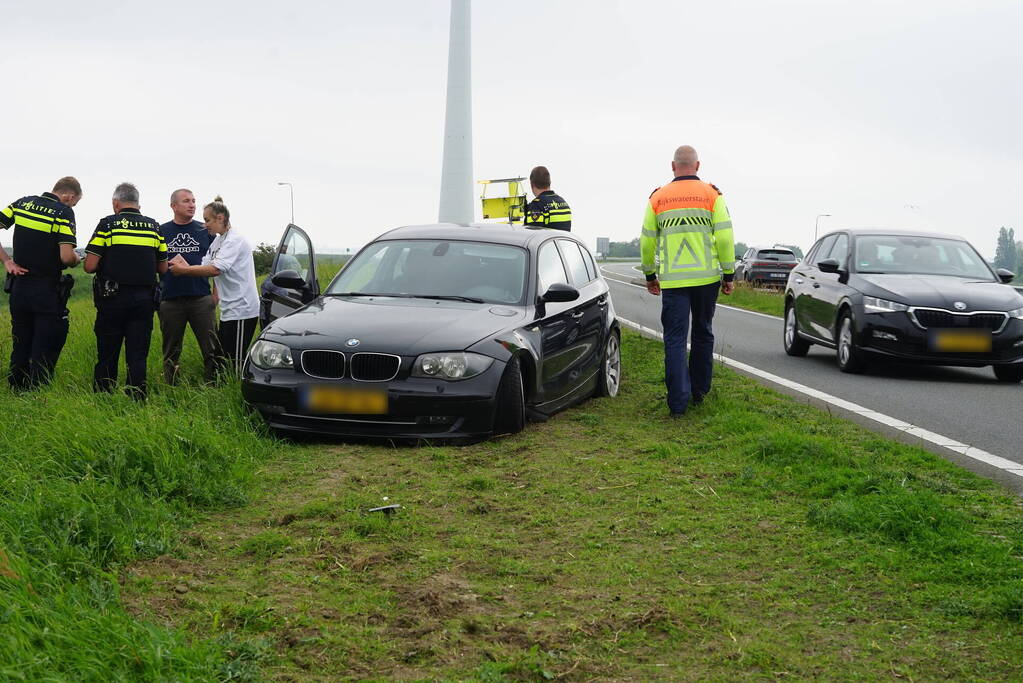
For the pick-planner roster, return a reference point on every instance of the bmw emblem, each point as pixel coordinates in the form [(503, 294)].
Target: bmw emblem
[(959, 306), (351, 343)]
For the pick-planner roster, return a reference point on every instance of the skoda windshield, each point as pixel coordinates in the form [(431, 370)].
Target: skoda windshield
[(895, 254), (476, 272)]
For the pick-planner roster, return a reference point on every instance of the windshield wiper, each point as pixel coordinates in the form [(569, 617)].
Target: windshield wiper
[(366, 294), (447, 297)]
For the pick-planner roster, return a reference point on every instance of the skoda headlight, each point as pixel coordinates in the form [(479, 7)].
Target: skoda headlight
[(1018, 313), (451, 365), (874, 305), (267, 355)]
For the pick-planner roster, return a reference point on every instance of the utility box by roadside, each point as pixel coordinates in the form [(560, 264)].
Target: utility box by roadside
[(511, 205)]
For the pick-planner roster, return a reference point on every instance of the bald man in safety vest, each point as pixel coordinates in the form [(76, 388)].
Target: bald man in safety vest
[(687, 225)]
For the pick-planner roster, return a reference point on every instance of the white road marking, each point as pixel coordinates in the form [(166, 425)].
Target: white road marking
[(720, 305), (919, 432)]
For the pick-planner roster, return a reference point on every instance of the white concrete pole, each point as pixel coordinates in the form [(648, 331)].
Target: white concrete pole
[(456, 184)]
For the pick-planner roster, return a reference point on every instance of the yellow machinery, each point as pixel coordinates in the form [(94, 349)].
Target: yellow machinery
[(510, 206)]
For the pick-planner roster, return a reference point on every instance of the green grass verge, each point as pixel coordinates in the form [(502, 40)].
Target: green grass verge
[(756, 538), (761, 299)]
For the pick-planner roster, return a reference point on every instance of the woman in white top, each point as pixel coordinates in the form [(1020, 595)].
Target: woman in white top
[(229, 263)]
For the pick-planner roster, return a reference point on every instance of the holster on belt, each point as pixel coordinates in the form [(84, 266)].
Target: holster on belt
[(9, 283), (64, 287)]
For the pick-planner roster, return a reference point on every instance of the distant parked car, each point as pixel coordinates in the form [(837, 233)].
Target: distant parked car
[(765, 265), (907, 297)]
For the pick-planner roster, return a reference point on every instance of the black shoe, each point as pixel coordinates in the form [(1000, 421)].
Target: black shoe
[(697, 399), (678, 416)]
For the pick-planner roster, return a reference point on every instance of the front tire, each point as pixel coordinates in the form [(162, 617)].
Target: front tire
[(610, 378), (510, 410), (794, 344), (1008, 373), (850, 357)]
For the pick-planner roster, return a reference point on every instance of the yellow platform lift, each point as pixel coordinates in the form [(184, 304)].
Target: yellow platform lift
[(511, 206)]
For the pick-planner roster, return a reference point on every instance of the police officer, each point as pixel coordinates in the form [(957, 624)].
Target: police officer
[(687, 223), (547, 210), (44, 243), (126, 253)]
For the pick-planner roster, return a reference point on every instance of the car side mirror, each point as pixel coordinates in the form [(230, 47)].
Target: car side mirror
[(288, 279), (559, 292), (1006, 276), (828, 265)]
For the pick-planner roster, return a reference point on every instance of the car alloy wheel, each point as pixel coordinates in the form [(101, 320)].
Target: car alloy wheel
[(794, 344), (611, 368), (850, 358)]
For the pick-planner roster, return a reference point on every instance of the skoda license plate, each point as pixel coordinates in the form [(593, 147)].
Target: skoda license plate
[(345, 400), (779, 274), (960, 341)]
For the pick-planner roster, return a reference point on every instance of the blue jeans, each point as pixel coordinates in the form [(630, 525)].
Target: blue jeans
[(684, 381)]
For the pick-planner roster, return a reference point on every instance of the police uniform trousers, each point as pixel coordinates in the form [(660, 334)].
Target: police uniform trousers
[(39, 326), (124, 318)]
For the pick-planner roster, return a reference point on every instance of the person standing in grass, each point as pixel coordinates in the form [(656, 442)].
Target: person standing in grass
[(44, 243), (687, 223), (126, 253), (229, 262), (187, 301)]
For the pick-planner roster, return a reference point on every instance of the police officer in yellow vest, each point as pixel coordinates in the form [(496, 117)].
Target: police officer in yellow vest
[(688, 253), (126, 253), (548, 209), (44, 243)]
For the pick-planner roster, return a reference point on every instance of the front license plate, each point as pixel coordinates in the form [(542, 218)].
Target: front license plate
[(345, 401), (961, 341), (779, 274)]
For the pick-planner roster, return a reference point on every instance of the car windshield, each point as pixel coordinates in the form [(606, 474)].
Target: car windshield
[(776, 255), (919, 256), (447, 269)]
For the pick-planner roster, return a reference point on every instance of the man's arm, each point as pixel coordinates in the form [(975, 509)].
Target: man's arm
[(6, 221), (96, 248), (91, 264), (724, 242), (68, 256), (648, 249)]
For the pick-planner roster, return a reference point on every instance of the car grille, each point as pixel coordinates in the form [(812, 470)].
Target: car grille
[(324, 364), (928, 318), (374, 367)]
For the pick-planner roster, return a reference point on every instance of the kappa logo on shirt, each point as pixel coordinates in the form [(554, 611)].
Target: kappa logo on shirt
[(183, 244)]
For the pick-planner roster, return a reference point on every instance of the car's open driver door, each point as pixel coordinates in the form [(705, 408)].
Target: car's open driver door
[(293, 289)]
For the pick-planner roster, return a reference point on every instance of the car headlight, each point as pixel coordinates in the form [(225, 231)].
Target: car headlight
[(875, 305), (1018, 313), (267, 355), (453, 365)]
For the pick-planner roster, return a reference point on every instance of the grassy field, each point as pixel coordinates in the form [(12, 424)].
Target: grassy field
[(756, 538), (761, 299)]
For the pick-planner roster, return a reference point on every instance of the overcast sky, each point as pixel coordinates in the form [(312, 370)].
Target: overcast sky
[(879, 113)]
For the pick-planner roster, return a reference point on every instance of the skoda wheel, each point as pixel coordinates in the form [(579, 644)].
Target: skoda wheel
[(850, 358), (1008, 373), (610, 377), (510, 411), (794, 344)]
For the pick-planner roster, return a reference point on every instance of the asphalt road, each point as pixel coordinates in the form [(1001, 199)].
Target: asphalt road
[(965, 404)]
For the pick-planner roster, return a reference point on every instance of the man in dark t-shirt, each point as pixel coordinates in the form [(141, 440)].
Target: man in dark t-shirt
[(548, 209), (187, 300)]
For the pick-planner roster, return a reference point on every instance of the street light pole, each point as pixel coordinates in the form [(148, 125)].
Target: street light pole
[(291, 191), (817, 223)]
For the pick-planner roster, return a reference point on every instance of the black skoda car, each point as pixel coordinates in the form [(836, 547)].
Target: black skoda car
[(433, 331), (904, 297)]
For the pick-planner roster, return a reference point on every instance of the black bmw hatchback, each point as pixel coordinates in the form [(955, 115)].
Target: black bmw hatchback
[(904, 297), (433, 331)]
